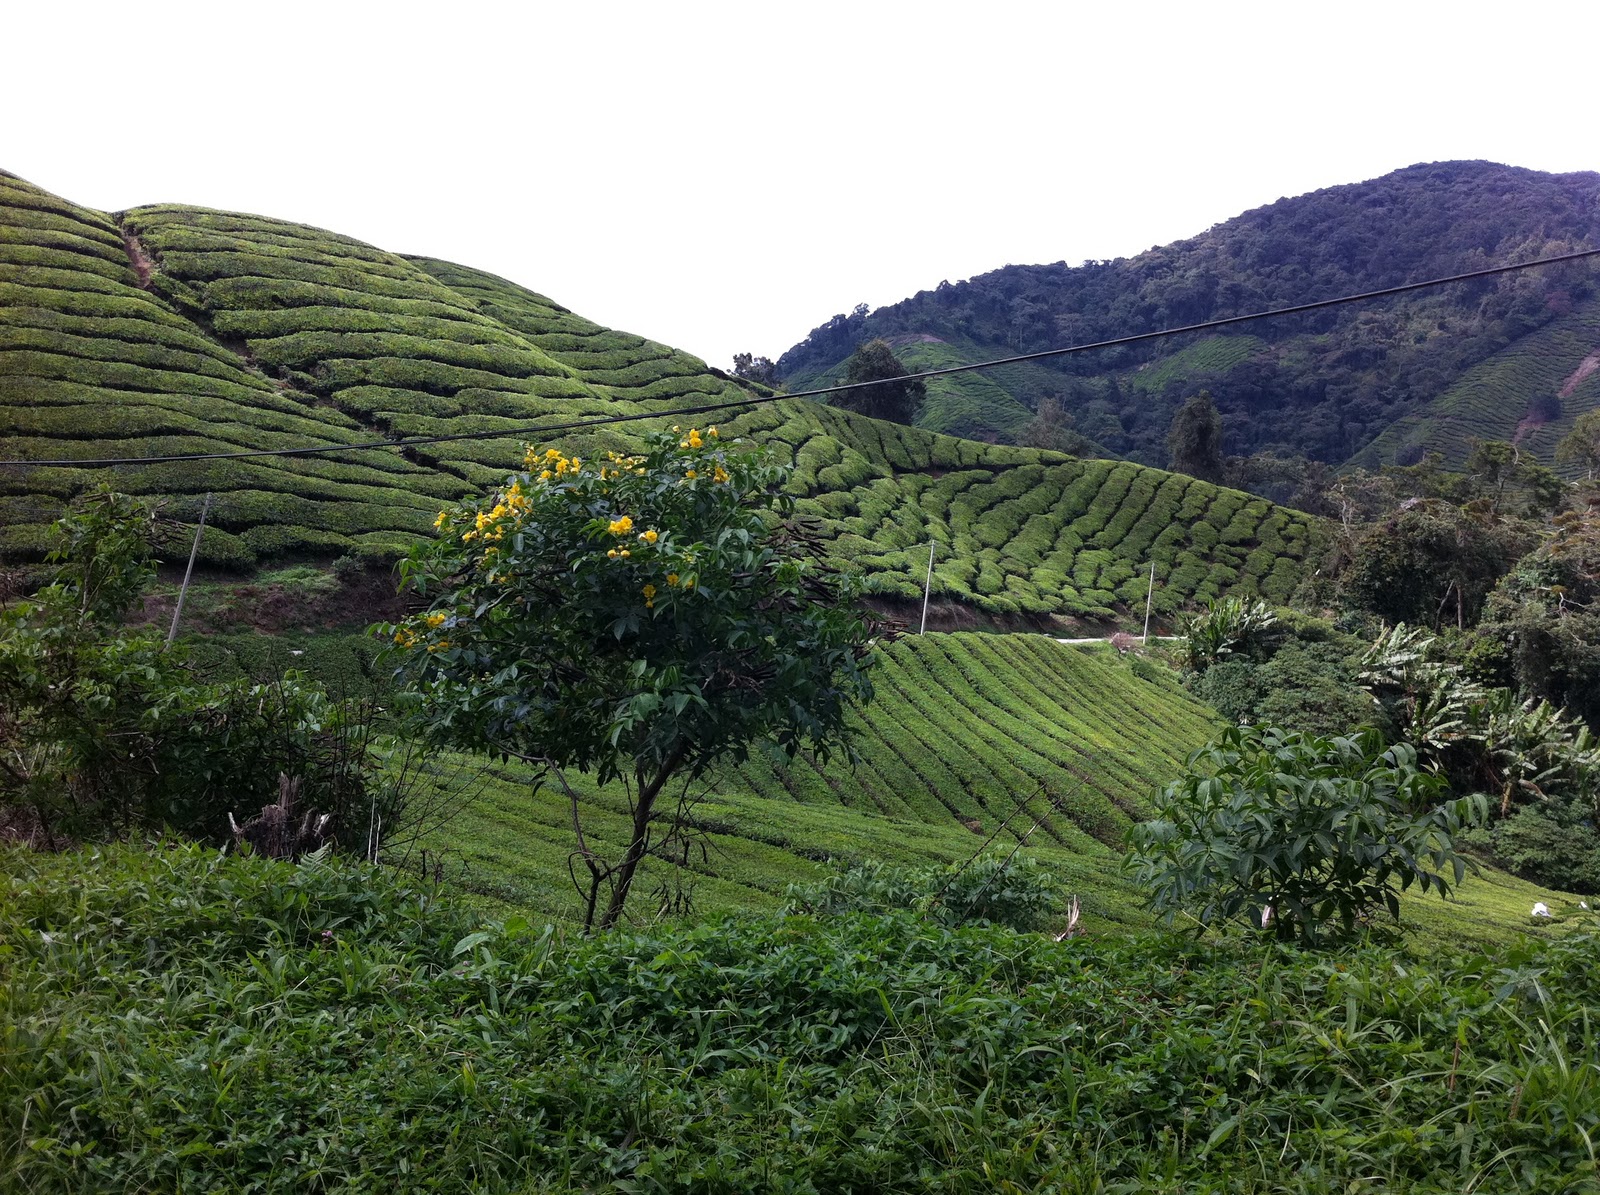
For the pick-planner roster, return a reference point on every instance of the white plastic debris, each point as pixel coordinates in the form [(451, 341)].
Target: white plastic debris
[(1540, 909)]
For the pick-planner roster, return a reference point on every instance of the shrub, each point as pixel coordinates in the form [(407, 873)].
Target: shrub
[(1304, 835), (1016, 892), (1222, 628), (104, 730), (1553, 842)]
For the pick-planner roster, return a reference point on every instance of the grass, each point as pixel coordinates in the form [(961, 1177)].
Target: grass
[(257, 333), (373, 1039)]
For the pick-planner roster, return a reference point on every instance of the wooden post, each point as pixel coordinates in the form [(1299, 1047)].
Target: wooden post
[(183, 590), (927, 588), (1148, 597)]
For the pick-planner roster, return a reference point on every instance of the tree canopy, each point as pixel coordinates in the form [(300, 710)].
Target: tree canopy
[(639, 617), (896, 401), (1300, 835), (1194, 443)]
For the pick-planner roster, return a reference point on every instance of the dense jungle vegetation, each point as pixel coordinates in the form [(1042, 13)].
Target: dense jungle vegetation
[(1492, 359)]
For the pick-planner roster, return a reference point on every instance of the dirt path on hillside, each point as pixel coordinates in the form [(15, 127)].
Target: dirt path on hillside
[(1586, 367), (137, 257)]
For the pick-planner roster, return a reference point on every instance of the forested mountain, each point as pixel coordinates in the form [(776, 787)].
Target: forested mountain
[(1430, 370)]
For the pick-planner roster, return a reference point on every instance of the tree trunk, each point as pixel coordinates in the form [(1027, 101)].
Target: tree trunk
[(639, 846)]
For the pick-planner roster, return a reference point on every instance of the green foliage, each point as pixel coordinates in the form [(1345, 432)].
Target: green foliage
[(1018, 893), (755, 369), (1431, 562), (1579, 449), (645, 616), (1498, 360), (1531, 391), (1554, 841), (1194, 443), (374, 1039), (1222, 628), (225, 746), (1502, 480), (1541, 627), (1518, 749), (80, 697), (343, 664), (896, 401), (257, 333), (1307, 685), (1308, 836), (104, 730)]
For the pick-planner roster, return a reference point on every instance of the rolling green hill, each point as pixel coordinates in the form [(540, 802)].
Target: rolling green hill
[(1326, 385), (965, 727), (171, 329)]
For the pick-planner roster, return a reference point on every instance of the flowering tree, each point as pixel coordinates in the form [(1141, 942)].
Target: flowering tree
[(640, 618)]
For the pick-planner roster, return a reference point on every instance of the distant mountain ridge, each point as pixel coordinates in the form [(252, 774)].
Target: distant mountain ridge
[(1381, 379)]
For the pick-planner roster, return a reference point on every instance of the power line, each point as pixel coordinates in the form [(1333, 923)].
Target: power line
[(543, 430)]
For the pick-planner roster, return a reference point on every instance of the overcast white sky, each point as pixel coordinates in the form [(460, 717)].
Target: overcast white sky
[(726, 176)]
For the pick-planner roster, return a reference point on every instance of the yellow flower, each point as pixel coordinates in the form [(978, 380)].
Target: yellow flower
[(620, 526), (651, 536), (545, 475), (436, 619), (719, 475), (444, 517), (672, 578), (611, 555), (690, 475), (694, 440), (649, 597), (712, 432), (649, 591), (625, 552)]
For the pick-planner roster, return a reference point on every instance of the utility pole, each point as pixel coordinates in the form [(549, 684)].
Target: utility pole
[(183, 590), (927, 588), (1148, 597)]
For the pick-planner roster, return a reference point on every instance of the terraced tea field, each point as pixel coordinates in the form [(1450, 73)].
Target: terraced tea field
[(172, 329), (1541, 369), (964, 729)]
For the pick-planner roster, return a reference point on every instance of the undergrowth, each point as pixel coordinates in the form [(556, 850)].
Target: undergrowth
[(177, 1020)]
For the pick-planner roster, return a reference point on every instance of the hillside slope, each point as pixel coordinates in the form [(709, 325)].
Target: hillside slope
[(966, 731), (1323, 385), (171, 329)]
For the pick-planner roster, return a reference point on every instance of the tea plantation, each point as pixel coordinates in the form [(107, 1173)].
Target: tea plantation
[(175, 1018), (1538, 368), (171, 330), (970, 737)]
